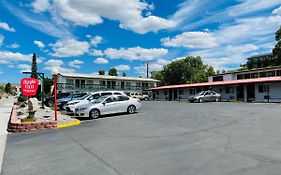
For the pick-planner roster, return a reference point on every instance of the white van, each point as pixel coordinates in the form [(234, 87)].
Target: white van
[(71, 105)]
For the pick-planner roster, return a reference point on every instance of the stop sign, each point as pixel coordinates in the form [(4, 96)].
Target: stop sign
[(29, 86)]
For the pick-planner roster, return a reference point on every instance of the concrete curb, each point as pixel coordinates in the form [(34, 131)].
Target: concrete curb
[(65, 125)]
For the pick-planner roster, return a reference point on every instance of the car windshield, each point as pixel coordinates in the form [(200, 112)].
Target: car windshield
[(99, 100), (83, 97), (200, 93)]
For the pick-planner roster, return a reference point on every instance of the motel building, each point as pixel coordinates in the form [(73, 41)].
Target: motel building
[(259, 85), (73, 82)]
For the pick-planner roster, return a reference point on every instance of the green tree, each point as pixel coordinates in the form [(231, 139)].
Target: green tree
[(8, 88), (101, 72), (158, 75), (112, 72), (124, 74), (187, 70), (48, 83), (277, 49), (34, 67)]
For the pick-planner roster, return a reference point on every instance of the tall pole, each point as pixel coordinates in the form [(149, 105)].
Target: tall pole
[(147, 69), (55, 97)]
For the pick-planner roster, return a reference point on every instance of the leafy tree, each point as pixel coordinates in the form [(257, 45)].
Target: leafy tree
[(277, 49), (188, 70), (158, 75), (48, 83), (101, 72), (34, 67), (8, 88), (124, 74), (112, 72)]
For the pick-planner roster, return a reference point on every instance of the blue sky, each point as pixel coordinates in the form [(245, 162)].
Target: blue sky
[(85, 36)]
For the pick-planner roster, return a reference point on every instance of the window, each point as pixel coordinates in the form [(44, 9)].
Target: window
[(240, 76), (278, 72), (94, 96), (109, 100), (220, 90), (271, 73), (165, 92), (218, 78), (229, 90), (191, 91), (264, 88), (254, 75), (69, 81), (123, 98), (106, 93), (263, 74), (157, 92), (247, 76), (181, 92)]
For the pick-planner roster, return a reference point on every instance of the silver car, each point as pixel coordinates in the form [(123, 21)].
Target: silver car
[(205, 96)]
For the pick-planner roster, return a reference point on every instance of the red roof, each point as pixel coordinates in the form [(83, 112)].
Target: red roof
[(221, 83)]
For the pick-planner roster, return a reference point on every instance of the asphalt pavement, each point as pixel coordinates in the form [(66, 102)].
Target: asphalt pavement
[(163, 138)]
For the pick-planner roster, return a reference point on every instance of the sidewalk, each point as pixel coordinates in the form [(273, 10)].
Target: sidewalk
[(5, 110)]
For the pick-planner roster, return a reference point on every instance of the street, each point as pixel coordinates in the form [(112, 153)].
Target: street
[(162, 138)]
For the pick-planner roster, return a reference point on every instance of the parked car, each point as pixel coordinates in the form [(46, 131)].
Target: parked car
[(139, 95), (109, 105), (71, 105), (76, 96), (49, 101), (205, 96)]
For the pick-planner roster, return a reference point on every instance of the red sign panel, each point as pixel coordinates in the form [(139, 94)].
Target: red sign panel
[(29, 86)]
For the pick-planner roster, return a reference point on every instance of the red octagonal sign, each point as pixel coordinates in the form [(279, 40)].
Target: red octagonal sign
[(29, 86)]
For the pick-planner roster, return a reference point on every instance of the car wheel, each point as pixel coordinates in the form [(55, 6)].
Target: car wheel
[(200, 100), (145, 99), (131, 109), (94, 113)]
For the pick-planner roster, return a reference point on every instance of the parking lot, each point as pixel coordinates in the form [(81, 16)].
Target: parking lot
[(162, 138)]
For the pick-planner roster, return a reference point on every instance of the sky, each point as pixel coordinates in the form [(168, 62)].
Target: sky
[(85, 36)]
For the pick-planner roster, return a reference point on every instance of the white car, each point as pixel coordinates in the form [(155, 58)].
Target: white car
[(109, 105), (71, 105)]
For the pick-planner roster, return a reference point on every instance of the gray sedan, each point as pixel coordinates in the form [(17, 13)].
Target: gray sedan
[(205, 96)]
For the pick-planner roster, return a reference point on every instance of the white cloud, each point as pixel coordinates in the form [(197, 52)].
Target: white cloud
[(277, 11), (75, 63), (40, 5), (241, 48), (13, 46), (101, 61), (7, 57), (69, 48), (95, 40), (1, 39), (11, 66), (87, 12), (24, 67), (5, 26), (122, 67), (40, 44), (57, 64), (135, 53), (95, 52), (191, 40)]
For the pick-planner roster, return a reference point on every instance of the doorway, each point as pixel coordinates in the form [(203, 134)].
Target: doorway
[(175, 94), (240, 93), (170, 94), (250, 92)]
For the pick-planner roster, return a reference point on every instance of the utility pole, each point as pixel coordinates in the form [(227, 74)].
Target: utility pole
[(147, 68)]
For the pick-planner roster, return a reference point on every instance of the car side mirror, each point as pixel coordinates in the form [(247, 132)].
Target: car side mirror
[(103, 103)]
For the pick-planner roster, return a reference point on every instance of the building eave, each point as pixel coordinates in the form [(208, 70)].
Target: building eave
[(221, 83)]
